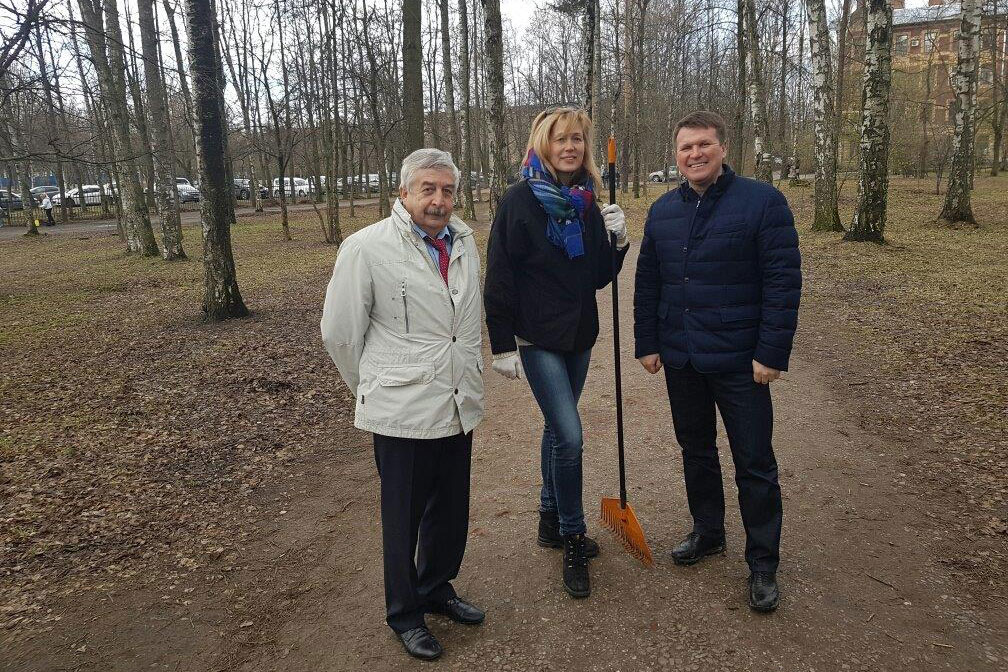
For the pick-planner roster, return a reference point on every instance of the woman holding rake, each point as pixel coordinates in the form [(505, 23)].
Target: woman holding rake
[(548, 254)]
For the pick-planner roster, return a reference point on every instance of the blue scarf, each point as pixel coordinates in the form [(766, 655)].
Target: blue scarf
[(566, 207)]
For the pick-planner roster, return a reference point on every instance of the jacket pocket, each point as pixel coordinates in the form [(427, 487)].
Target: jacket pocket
[(732, 228), (663, 308), (405, 374), (740, 315)]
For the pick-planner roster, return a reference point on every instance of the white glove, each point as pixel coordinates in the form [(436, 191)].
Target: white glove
[(615, 222), (509, 365)]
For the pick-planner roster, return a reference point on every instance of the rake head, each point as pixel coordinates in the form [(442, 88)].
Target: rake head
[(624, 525)]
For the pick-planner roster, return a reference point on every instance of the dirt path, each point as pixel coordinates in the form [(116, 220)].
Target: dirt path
[(861, 590)]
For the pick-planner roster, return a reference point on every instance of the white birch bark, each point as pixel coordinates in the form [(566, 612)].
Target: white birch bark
[(757, 98), (826, 217), (873, 186), (957, 209)]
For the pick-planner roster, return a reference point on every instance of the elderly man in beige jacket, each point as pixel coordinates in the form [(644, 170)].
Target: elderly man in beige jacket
[(402, 322)]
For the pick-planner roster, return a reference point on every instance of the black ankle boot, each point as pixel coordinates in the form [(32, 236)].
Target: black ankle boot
[(550, 537), (575, 566)]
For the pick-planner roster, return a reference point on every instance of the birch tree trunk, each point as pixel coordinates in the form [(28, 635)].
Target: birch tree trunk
[(108, 59), (183, 79), (449, 84), (873, 187), (735, 147), (589, 61), (826, 217), (999, 92), (469, 210), (838, 111), (957, 210), (757, 98), (413, 107), (166, 193), (495, 94), (222, 299)]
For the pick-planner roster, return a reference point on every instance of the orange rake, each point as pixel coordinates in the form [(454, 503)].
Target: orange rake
[(617, 514)]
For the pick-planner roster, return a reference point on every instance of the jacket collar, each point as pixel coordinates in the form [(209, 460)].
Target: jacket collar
[(402, 220), (720, 185)]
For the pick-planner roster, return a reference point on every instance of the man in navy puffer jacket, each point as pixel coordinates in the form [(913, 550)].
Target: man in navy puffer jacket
[(716, 303)]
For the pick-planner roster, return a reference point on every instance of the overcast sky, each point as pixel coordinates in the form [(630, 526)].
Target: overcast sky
[(519, 12)]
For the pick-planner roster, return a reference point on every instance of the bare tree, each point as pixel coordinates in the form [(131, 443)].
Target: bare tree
[(469, 210), (873, 187), (222, 299), (957, 209), (757, 97), (413, 111), (826, 217), (164, 150), (495, 92), (105, 43)]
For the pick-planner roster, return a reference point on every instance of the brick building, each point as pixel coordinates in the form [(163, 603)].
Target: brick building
[(925, 44)]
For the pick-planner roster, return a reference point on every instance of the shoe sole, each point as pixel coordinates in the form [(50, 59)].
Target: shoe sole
[(764, 610), (577, 595), (545, 543), (413, 655), (685, 562), (425, 658)]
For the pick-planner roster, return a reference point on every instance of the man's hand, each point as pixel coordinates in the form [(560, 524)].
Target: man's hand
[(651, 363), (763, 374), (509, 366)]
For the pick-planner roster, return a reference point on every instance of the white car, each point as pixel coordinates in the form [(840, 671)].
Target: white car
[(293, 186), (91, 196), (659, 175), (186, 191)]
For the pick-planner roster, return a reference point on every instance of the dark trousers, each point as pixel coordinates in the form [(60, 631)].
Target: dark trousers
[(49, 218), (425, 515), (747, 414)]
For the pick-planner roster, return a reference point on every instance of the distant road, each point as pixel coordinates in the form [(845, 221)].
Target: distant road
[(189, 217)]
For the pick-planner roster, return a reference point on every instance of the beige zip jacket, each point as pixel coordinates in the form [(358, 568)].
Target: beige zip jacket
[(407, 346)]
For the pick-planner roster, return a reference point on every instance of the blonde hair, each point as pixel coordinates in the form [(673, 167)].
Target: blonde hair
[(565, 117)]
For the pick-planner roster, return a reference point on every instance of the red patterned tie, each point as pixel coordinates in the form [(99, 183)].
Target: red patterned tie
[(442, 249)]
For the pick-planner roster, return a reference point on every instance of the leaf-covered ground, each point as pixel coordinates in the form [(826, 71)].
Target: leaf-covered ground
[(138, 444)]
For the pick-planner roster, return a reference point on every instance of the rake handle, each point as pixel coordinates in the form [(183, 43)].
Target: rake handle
[(616, 331)]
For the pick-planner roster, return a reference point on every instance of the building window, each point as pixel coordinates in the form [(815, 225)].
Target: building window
[(930, 40), (915, 42), (901, 46)]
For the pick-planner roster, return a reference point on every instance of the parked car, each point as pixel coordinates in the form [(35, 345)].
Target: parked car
[(39, 193), (293, 186), (10, 201), (659, 175), (186, 191), (91, 195), (242, 189)]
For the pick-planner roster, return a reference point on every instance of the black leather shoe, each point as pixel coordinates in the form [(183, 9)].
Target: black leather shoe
[(420, 643), (763, 593), (695, 548), (459, 611), (575, 566), (550, 537)]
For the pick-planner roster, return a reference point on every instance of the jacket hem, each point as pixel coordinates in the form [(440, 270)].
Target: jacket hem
[(403, 433)]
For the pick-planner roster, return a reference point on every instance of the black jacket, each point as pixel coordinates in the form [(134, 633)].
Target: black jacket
[(719, 278), (532, 289)]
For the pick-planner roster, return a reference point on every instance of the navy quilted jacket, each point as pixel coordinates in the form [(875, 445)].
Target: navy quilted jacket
[(718, 278)]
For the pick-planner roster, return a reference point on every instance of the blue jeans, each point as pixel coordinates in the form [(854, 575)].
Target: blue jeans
[(556, 379)]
